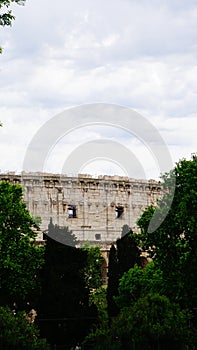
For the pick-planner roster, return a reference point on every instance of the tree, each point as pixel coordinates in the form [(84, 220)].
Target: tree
[(128, 253), (137, 283), (173, 246), (99, 336), (152, 322), (64, 314), (6, 15), (120, 260), (113, 281), (93, 270), (20, 258), (94, 281), (17, 333)]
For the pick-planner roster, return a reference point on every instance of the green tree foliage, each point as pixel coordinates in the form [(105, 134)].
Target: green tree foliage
[(147, 318), (94, 281), (120, 260), (99, 334), (152, 322), (6, 15), (64, 314), (20, 258), (93, 270), (113, 281), (98, 297), (158, 304), (127, 252), (137, 283), (17, 333), (174, 244)]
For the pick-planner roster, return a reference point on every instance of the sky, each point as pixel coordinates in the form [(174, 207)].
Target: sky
[(140, 55)]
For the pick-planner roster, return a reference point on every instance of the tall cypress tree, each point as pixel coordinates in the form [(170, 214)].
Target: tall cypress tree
[(128, 253), (121, 260), (113, 280)]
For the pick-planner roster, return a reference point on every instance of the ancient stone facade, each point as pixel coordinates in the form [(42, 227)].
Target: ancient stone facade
[(94, 209)]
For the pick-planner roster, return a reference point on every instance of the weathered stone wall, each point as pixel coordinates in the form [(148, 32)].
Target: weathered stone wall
[(94, 209)]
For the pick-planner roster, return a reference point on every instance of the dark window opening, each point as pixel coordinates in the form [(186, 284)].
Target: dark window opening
[(119, 212), (72, 211), (98, 236)]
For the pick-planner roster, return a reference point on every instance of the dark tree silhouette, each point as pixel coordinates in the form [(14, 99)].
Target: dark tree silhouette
[(64, 316), (128, 253), (121, 260), (113, 280)]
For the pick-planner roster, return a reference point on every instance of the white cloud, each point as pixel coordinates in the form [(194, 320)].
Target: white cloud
[(138, 54)]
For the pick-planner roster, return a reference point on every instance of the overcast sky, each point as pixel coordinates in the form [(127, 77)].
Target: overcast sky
[(137, 54)]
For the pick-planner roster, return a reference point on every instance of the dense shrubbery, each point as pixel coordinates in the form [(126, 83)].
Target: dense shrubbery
[(18, 333), (154, 307), (144, 307), (20, 263)]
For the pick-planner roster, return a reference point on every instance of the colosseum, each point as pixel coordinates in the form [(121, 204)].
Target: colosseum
[(94, 210)]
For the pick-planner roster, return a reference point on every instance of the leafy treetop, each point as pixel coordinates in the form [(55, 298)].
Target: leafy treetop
[(173, 246), (6, 15), (20, 258)]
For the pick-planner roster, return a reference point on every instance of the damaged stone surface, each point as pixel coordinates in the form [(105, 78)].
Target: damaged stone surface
[(94, 209)]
